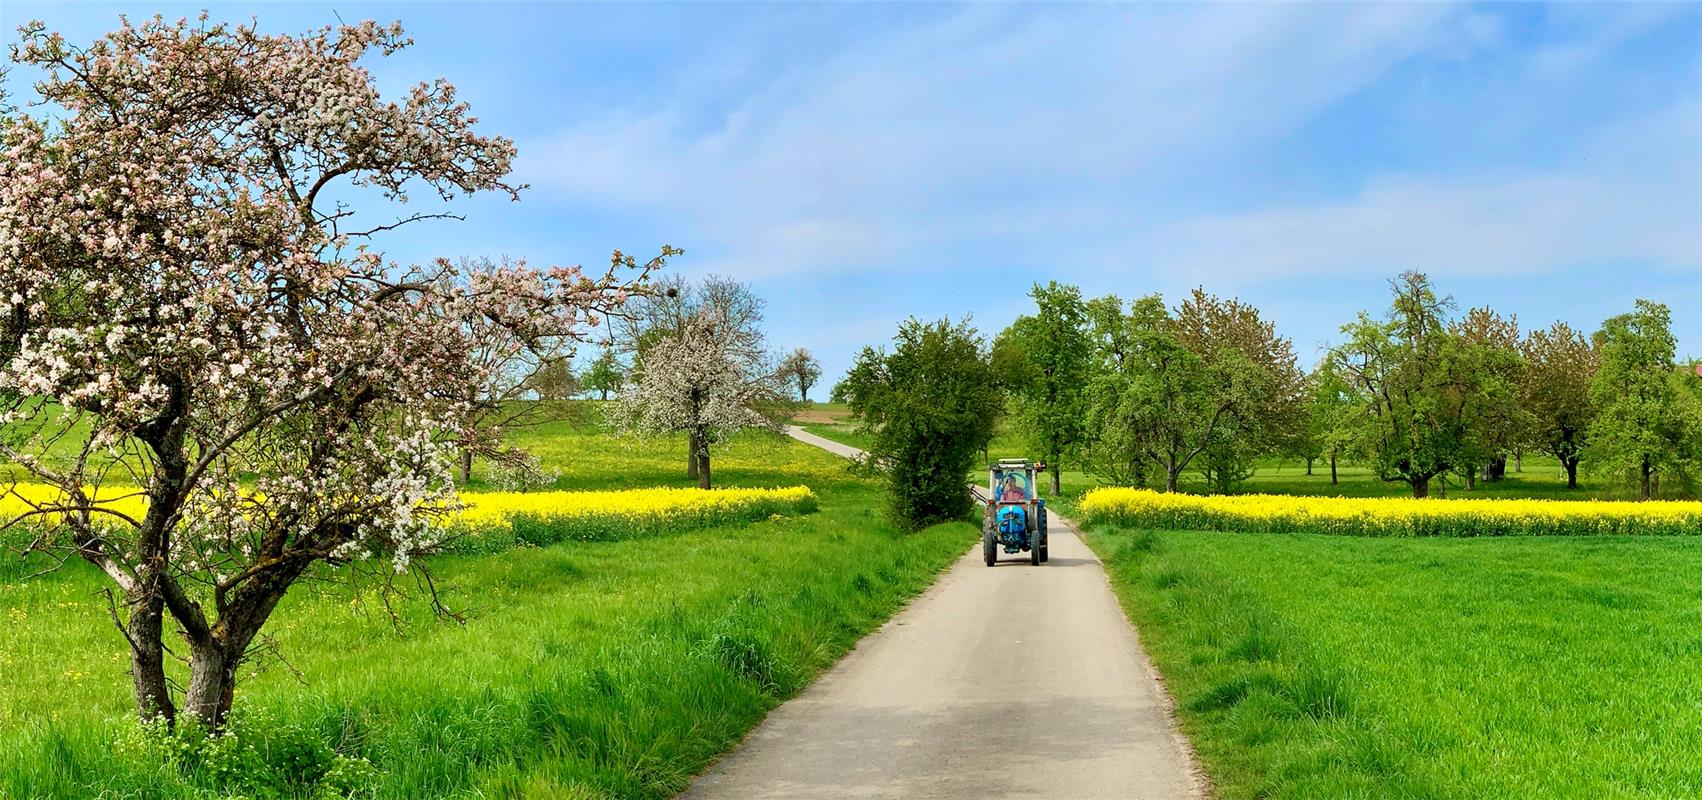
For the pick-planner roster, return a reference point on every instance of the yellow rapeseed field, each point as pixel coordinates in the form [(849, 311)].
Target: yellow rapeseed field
[(1265, 513), (490, 521)]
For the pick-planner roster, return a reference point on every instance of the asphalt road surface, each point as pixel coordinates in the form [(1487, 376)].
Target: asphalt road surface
[(1014, 681)]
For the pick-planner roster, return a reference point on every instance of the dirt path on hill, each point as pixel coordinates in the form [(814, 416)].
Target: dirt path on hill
[(1015, 681)]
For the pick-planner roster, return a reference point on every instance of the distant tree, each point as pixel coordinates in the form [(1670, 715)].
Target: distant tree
[(1118, 447), (1647, 421), (1272, 417), (1330, 419), (701, 380), (553, 381), (1560, 364), (1488, 347), (672, 306), (802, 370), (1044, 360), (1213, 383), (840, 393), (930, 406), (1412, 386), (605, 375)]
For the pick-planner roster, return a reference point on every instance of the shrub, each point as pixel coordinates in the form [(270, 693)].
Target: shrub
[(931, 405)]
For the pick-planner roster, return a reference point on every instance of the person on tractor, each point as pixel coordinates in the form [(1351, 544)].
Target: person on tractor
[(1011, 491)]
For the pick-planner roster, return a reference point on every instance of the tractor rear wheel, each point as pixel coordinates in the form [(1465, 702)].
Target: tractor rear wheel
[(989, 546), (1034, 548), (1045, 543)]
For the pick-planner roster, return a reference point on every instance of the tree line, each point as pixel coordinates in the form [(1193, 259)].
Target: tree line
[(1145, 393)]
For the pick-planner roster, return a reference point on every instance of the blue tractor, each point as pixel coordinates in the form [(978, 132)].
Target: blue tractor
[(1015, 519)]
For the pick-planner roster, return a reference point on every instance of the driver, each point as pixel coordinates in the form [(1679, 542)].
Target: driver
[(1011, 491)]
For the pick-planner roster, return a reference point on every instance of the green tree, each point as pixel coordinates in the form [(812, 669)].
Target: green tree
[(801, 369), (1487, 345), (1411, 385), (1212, 380), (1560, 363), (930, 406), (1647, 422), (1229, 335), (553, 380), (604, 375), (1043, 360), (1330, 418)]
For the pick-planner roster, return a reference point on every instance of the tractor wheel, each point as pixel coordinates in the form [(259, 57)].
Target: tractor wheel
[(989, 547), (1034, 548), (1045, 539)]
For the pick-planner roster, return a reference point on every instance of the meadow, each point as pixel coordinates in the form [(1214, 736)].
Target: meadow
[(1311, 665), (1308, 665), (594, 669)]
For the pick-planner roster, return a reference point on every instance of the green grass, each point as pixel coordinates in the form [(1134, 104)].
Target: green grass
[(1313, 666), (586, 670)]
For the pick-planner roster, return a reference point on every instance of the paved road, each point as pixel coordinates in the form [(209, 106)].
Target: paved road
[(1016, 681)]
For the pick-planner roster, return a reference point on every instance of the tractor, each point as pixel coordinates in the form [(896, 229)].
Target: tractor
[(1015, 519)]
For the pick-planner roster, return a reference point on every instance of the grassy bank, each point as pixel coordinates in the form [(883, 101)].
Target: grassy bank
[(585, 669), (1316, 666)]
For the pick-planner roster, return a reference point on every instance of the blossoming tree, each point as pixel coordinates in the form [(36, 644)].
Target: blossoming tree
[(183, 312), (705, 380)]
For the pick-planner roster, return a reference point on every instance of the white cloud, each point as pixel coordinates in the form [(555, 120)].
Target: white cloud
[(970, 125), (1061, 136), (1631, 195)]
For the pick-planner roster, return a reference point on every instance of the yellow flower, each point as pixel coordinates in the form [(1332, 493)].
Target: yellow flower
[(532, 517), (537, 518), (1391, 516)]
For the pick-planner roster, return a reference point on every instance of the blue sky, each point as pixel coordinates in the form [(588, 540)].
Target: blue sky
[(860, 164)]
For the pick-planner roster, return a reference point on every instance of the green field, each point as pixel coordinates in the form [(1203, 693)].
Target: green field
[(584, 671), (1312, 666)]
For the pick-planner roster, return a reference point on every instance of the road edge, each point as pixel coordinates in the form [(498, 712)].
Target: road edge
[(1202, 788)]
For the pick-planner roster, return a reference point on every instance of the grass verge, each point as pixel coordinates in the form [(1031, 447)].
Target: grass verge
[(1312, 666)]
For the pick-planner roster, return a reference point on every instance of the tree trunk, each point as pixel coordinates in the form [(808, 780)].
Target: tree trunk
[(147, 658), (1644, 490), (1421, 487), (212, 684), (1571, 472), (1519, 460), (1471, 479), (692, 451), (1309, 467), (605, 394), (1171, 478), (466, 468), (1053, 468), (703, 470), (1332, 469)]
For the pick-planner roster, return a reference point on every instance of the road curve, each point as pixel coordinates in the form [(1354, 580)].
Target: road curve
[(1015, 681)]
